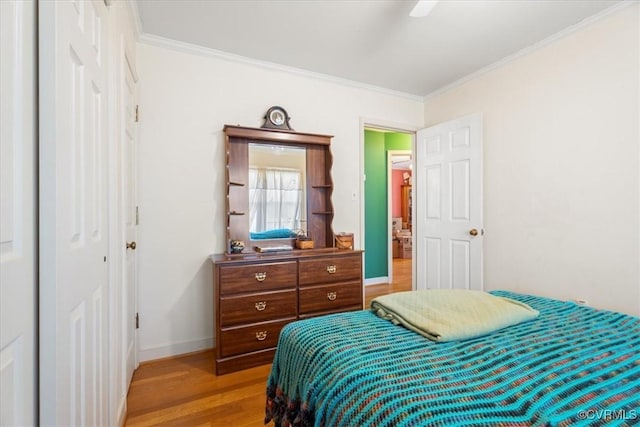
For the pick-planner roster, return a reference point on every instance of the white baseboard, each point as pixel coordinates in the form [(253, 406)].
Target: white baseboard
[(174, 349), (376, 280)]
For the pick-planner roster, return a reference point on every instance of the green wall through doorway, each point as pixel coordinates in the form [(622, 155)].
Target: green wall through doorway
[(376, 146)]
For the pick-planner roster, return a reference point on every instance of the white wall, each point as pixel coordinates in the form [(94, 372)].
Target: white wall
[(561, 161), (185, 101)]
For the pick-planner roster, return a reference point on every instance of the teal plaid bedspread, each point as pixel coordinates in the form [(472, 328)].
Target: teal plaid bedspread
[(573, 365)]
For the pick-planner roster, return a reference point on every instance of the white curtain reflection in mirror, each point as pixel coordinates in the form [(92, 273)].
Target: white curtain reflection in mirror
[(275, 199)]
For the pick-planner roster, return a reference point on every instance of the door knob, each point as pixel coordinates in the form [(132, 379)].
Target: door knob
[(131, 245), (473, 232)]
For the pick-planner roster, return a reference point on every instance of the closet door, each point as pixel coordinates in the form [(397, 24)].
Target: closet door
[(17, 214), (73, 213)]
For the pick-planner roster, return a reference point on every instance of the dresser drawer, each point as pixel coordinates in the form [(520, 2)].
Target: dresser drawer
[(251, 338), (330, 269), (330, 297), (257, 307), (257, 277)]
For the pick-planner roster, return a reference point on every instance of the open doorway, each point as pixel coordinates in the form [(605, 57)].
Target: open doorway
[(399, 213), (378, 211)]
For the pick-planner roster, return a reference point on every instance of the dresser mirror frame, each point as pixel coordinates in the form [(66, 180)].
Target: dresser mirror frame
[(318, 184)]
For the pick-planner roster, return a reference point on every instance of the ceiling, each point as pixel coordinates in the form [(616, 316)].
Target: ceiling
[(372, 42)]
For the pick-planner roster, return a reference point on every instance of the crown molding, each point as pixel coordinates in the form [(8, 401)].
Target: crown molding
[(159, 41), (534, 47)]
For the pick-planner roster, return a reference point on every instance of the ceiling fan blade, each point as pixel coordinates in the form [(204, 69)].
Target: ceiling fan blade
[(423, 8)]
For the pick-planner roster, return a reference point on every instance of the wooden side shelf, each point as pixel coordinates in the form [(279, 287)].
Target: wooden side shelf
[(405, 200), (322, 186)]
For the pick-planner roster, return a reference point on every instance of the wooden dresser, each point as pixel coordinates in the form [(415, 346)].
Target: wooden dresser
[(255, 295)]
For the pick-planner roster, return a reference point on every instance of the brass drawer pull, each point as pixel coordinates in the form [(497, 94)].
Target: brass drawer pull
[(261, 336), (261, 276), (332, 296), (331, 269), (261, 305)]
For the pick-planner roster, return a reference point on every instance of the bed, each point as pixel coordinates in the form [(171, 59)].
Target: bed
[(572, 365)]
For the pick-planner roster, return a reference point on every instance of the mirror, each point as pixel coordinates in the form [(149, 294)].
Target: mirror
[(276, 186), (312, 209)]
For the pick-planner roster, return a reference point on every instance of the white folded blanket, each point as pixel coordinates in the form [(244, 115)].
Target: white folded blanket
[(451, 314)]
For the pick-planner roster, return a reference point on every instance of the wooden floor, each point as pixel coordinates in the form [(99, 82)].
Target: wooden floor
[(184, 391), (401, 281)]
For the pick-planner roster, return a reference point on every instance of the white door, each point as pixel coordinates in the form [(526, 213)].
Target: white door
[(131, 220), (17, 214), (449, 205), (73, 213)]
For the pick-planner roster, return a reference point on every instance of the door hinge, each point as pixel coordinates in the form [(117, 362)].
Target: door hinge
[(137, 216), (137, 321), (137, 113)]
